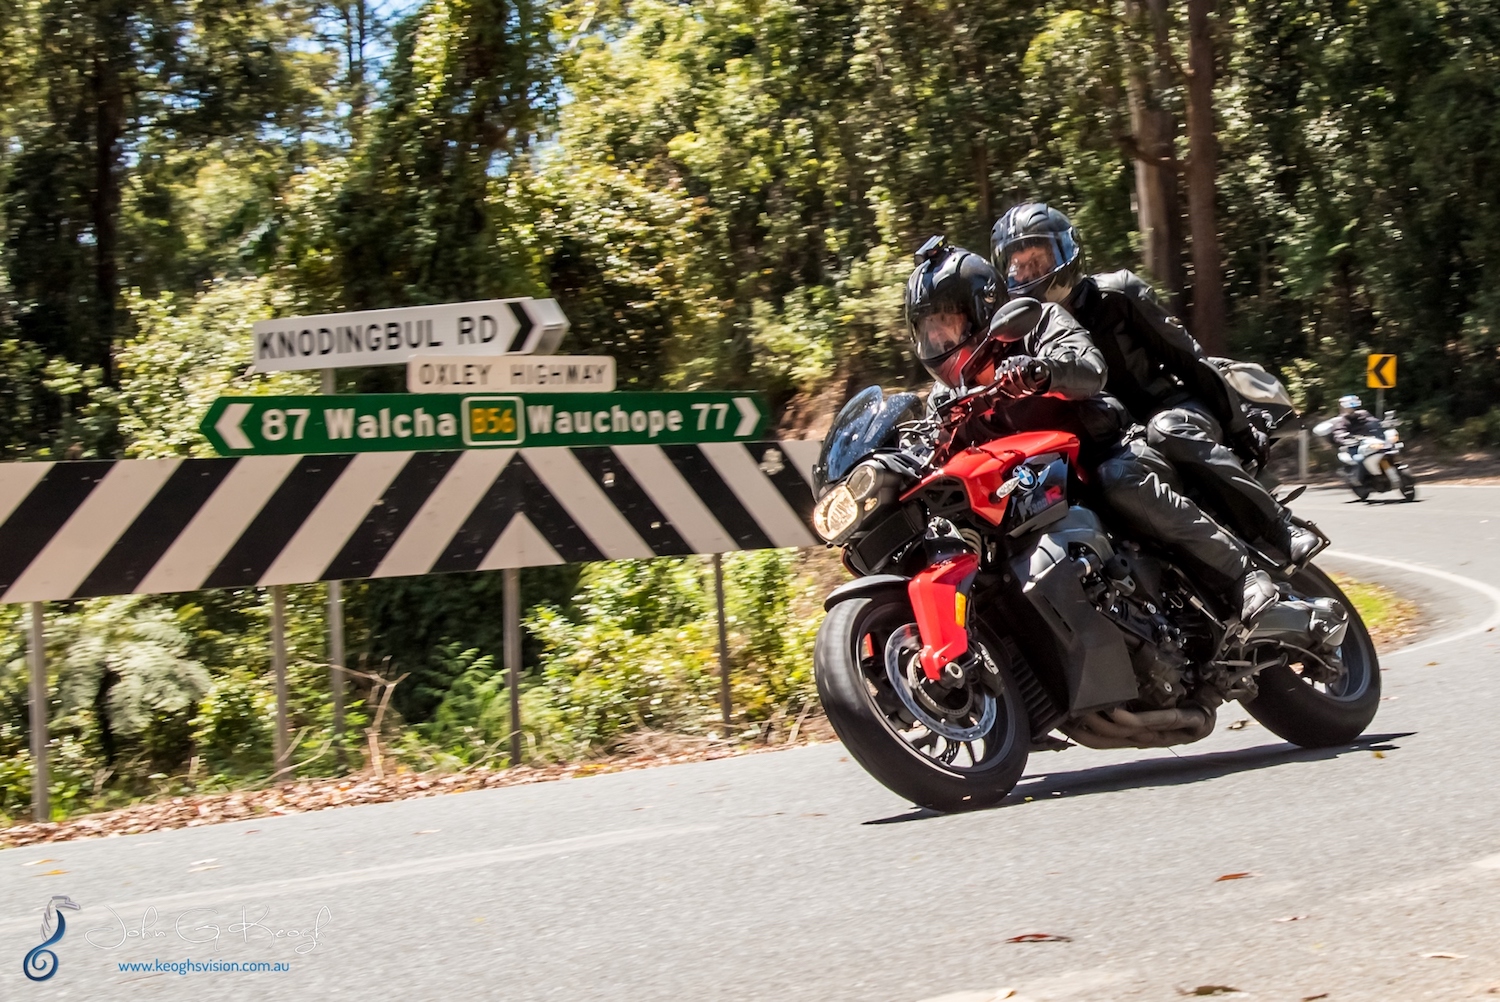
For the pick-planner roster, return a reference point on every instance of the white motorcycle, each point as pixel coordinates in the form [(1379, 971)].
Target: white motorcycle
[(1374, 465)]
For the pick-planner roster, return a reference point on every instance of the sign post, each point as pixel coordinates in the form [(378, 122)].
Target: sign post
[(1380, 375), (401, 422), (335, 624)]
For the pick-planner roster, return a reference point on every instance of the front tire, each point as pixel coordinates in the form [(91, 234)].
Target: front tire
[(1408, 487), (1320, 714), (885, 730)]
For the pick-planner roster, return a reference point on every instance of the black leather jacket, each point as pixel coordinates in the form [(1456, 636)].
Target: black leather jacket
[(1153, 361), (1348, 430), (1074, 401)]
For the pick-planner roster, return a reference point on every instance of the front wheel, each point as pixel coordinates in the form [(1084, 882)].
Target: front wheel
[(1313, 704), (945, 749), (1408, 486)]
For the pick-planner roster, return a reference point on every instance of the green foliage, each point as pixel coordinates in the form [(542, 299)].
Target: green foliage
[(720, 195)]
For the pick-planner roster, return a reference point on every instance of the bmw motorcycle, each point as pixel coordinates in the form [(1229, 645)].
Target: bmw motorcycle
[(1375, 466), (995, 604)]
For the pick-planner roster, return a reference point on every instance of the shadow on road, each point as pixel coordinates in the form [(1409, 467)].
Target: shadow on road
[(1162, 772)]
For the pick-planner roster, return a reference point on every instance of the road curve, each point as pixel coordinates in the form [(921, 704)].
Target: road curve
[(794, 876)]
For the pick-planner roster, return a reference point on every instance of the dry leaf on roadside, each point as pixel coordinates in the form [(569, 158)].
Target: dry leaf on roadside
[(1290, 918), (1239, 725), (1209, 990), (1378, 754), (1039, 937), (50, 873), (1314, 998), (1234, 876), (39, 862), (1444, 956)]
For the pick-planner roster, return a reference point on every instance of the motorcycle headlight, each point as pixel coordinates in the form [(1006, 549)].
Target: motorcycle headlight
[(863, 480), (837, 514)]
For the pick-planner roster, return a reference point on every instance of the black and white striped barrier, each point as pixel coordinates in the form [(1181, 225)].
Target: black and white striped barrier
[(155, 526), (114, 527)]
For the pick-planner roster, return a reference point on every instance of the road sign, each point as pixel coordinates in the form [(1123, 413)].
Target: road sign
[(386, 337), (1380, 372), (396, 422), (528, 374)]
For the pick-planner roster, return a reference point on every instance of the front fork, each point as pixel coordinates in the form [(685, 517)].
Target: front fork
[(940, 598)]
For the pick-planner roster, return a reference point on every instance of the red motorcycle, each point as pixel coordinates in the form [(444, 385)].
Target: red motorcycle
[(995, 603)]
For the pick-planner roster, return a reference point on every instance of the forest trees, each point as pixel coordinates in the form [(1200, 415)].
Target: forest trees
[(721, 193)]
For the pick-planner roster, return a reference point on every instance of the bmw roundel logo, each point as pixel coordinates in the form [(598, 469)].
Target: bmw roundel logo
[(1026, 477)]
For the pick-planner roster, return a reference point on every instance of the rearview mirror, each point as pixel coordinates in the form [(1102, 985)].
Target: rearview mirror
[(1016, 319)]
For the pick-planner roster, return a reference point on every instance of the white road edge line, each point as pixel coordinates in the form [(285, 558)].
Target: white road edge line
[(420, 867), (1489, 591)]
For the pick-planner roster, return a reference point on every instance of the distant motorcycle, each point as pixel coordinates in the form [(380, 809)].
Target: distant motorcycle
[(1374, 465)]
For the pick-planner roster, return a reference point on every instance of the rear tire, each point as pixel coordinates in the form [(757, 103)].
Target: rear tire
[(881, 733), (1292, 707)]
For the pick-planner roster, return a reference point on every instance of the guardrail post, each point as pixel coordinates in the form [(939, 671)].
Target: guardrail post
[(336, 662), (1302, 460), (511, 578), (278, 666), (724, 699), (40, 808)]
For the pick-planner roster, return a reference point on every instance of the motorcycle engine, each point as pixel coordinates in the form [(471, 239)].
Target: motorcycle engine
[(1154, 642)]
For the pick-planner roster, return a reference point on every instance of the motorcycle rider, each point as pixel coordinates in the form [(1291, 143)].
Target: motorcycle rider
[(1192, 418), (951, 299), (1353, 425)]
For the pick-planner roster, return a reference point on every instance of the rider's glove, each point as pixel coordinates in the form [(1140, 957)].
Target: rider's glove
[(1021, 376), (1251, 445)]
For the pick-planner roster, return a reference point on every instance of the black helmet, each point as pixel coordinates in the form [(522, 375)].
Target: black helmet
[(950, 299), (1038, 226)]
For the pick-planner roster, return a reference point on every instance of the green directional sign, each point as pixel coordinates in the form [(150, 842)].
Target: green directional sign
[(391, 422)]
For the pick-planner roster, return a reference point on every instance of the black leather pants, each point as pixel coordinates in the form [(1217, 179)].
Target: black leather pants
[(1141, 488), (1193, 442)]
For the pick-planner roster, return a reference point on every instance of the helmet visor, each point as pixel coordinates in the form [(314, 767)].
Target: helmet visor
[(944, 340), (1030, 262)]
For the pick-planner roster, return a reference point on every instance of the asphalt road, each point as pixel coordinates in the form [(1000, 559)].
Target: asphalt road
[(794, 876)]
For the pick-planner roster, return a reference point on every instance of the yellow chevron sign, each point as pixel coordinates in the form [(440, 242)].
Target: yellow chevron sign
[(1380, 372)]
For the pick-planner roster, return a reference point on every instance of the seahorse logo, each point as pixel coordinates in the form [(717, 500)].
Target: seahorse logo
[(41, 963)]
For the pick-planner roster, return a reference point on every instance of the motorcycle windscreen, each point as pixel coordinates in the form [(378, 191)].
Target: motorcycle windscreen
[(867, 422)]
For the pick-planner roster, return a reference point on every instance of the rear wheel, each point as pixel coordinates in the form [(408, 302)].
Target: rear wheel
[(946, 749), (1316, 704)]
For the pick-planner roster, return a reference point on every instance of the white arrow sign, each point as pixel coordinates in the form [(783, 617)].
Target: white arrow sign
[(748, 416), (515, 373), (385, 337), (229, 423)]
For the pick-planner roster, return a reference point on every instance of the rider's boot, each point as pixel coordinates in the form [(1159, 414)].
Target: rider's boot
[(1301, 541)]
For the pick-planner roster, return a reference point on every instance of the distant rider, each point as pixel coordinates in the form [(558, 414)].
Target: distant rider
[(1354, 425), (951, 298), (1191, 416)]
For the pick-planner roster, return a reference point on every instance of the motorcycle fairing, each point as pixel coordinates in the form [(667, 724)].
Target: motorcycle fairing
[(984, 469), (940, 598), (1088, 649)]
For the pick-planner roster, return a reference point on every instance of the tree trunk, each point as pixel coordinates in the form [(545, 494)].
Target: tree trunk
[(1158, 210), (109, 127), (1208, 317)]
